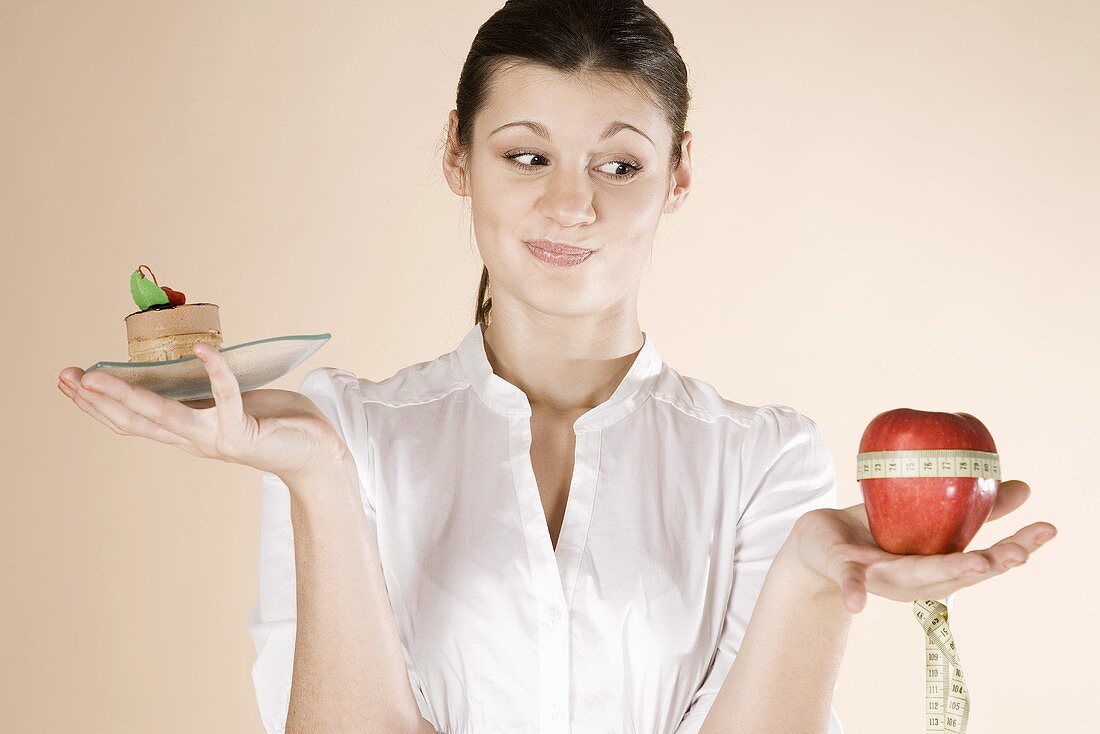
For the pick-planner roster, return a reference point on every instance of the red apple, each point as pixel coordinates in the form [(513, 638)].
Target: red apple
[(933, 497)]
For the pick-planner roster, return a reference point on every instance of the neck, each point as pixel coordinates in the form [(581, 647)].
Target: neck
[(565, 366)]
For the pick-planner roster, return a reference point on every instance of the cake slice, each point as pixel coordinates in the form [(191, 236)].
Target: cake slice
[(167, 327)]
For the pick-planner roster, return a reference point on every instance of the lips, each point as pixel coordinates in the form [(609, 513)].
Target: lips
[(559, 259), (559, 248)]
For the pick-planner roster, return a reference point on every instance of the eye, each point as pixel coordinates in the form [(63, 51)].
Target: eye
[(524, 166), (632, 167)]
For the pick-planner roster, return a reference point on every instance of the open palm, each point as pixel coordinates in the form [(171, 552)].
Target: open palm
[(838, 545), (278, 431)]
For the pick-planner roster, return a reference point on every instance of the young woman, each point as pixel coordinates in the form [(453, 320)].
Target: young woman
[(549, 529)]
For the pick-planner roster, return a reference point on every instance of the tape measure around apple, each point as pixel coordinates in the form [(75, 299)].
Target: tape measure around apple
[(929, 481)]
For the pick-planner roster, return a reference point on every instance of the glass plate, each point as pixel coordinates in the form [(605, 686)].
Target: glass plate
[(254, 364)]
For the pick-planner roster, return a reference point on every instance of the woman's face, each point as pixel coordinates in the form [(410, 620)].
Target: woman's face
[(572, 186)]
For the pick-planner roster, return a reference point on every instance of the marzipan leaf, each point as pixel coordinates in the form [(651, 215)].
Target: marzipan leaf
[(146, 293)]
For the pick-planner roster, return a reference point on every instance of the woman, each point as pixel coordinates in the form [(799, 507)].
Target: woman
[(549, 529)]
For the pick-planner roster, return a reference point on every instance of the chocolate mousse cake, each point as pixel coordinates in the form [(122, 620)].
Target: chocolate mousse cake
[(167, 327)]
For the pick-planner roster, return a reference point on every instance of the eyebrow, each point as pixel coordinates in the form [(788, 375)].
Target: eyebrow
[(539, 129)]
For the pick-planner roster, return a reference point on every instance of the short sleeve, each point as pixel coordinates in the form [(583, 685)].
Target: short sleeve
[(787, 471), (273, 620)]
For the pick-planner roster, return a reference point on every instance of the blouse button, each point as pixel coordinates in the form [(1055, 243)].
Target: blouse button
[(553, 612)]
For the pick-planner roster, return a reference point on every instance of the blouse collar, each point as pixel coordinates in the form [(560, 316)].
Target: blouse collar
[(505, 398)]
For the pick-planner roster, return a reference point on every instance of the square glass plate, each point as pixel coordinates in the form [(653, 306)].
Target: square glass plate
[(254, 363)]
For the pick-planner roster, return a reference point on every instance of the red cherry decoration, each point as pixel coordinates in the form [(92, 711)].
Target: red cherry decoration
[(174, 297)]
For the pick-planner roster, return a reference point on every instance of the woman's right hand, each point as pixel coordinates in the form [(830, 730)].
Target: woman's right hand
[(276, 431)]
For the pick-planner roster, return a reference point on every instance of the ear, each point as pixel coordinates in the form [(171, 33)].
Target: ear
[(454, 159), (680, 185)]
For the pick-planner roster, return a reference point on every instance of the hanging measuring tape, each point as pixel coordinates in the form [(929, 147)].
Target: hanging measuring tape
[(946, 700)]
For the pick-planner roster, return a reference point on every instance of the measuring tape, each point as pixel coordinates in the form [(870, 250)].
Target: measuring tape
[(927, 463), (946, 700)]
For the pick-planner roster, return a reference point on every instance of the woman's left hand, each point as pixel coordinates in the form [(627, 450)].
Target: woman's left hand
[(838, 548)]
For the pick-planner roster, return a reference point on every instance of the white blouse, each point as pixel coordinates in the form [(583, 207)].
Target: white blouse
[(680, 500)]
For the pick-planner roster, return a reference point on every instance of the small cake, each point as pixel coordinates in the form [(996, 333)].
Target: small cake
[(167, 327)]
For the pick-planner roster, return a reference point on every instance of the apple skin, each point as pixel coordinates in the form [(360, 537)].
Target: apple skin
[(926, 515)]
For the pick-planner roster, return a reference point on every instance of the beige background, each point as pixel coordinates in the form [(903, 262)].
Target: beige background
[(891, 207)]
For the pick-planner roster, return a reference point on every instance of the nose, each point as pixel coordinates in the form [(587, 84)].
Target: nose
[(568, 198)]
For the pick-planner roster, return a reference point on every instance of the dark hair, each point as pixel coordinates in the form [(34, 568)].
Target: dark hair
[(621, 37)]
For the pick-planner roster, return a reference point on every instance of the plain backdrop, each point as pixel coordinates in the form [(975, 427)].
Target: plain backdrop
[(894, 204)]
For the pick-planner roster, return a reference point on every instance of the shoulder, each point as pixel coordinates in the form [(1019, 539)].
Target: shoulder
[(760, 434), (700, 400), (779, 429), (336, 393), (328, 382), (415, 384)]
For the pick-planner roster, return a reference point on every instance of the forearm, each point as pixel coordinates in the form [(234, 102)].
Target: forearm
[(783, 677), (349, 669)]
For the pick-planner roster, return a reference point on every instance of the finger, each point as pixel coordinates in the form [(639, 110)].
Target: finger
[(130, 418), (1032, 536), (89, 402), (70, 375), (228, 405), (1010, 495), (853, 587), (920, 572), (77, 396), (1017, 548), (905, 578), (1004, 555), (148, 408), (996, 563)]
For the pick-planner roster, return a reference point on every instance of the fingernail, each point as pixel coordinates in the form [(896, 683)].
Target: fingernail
[(1044, 538)]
